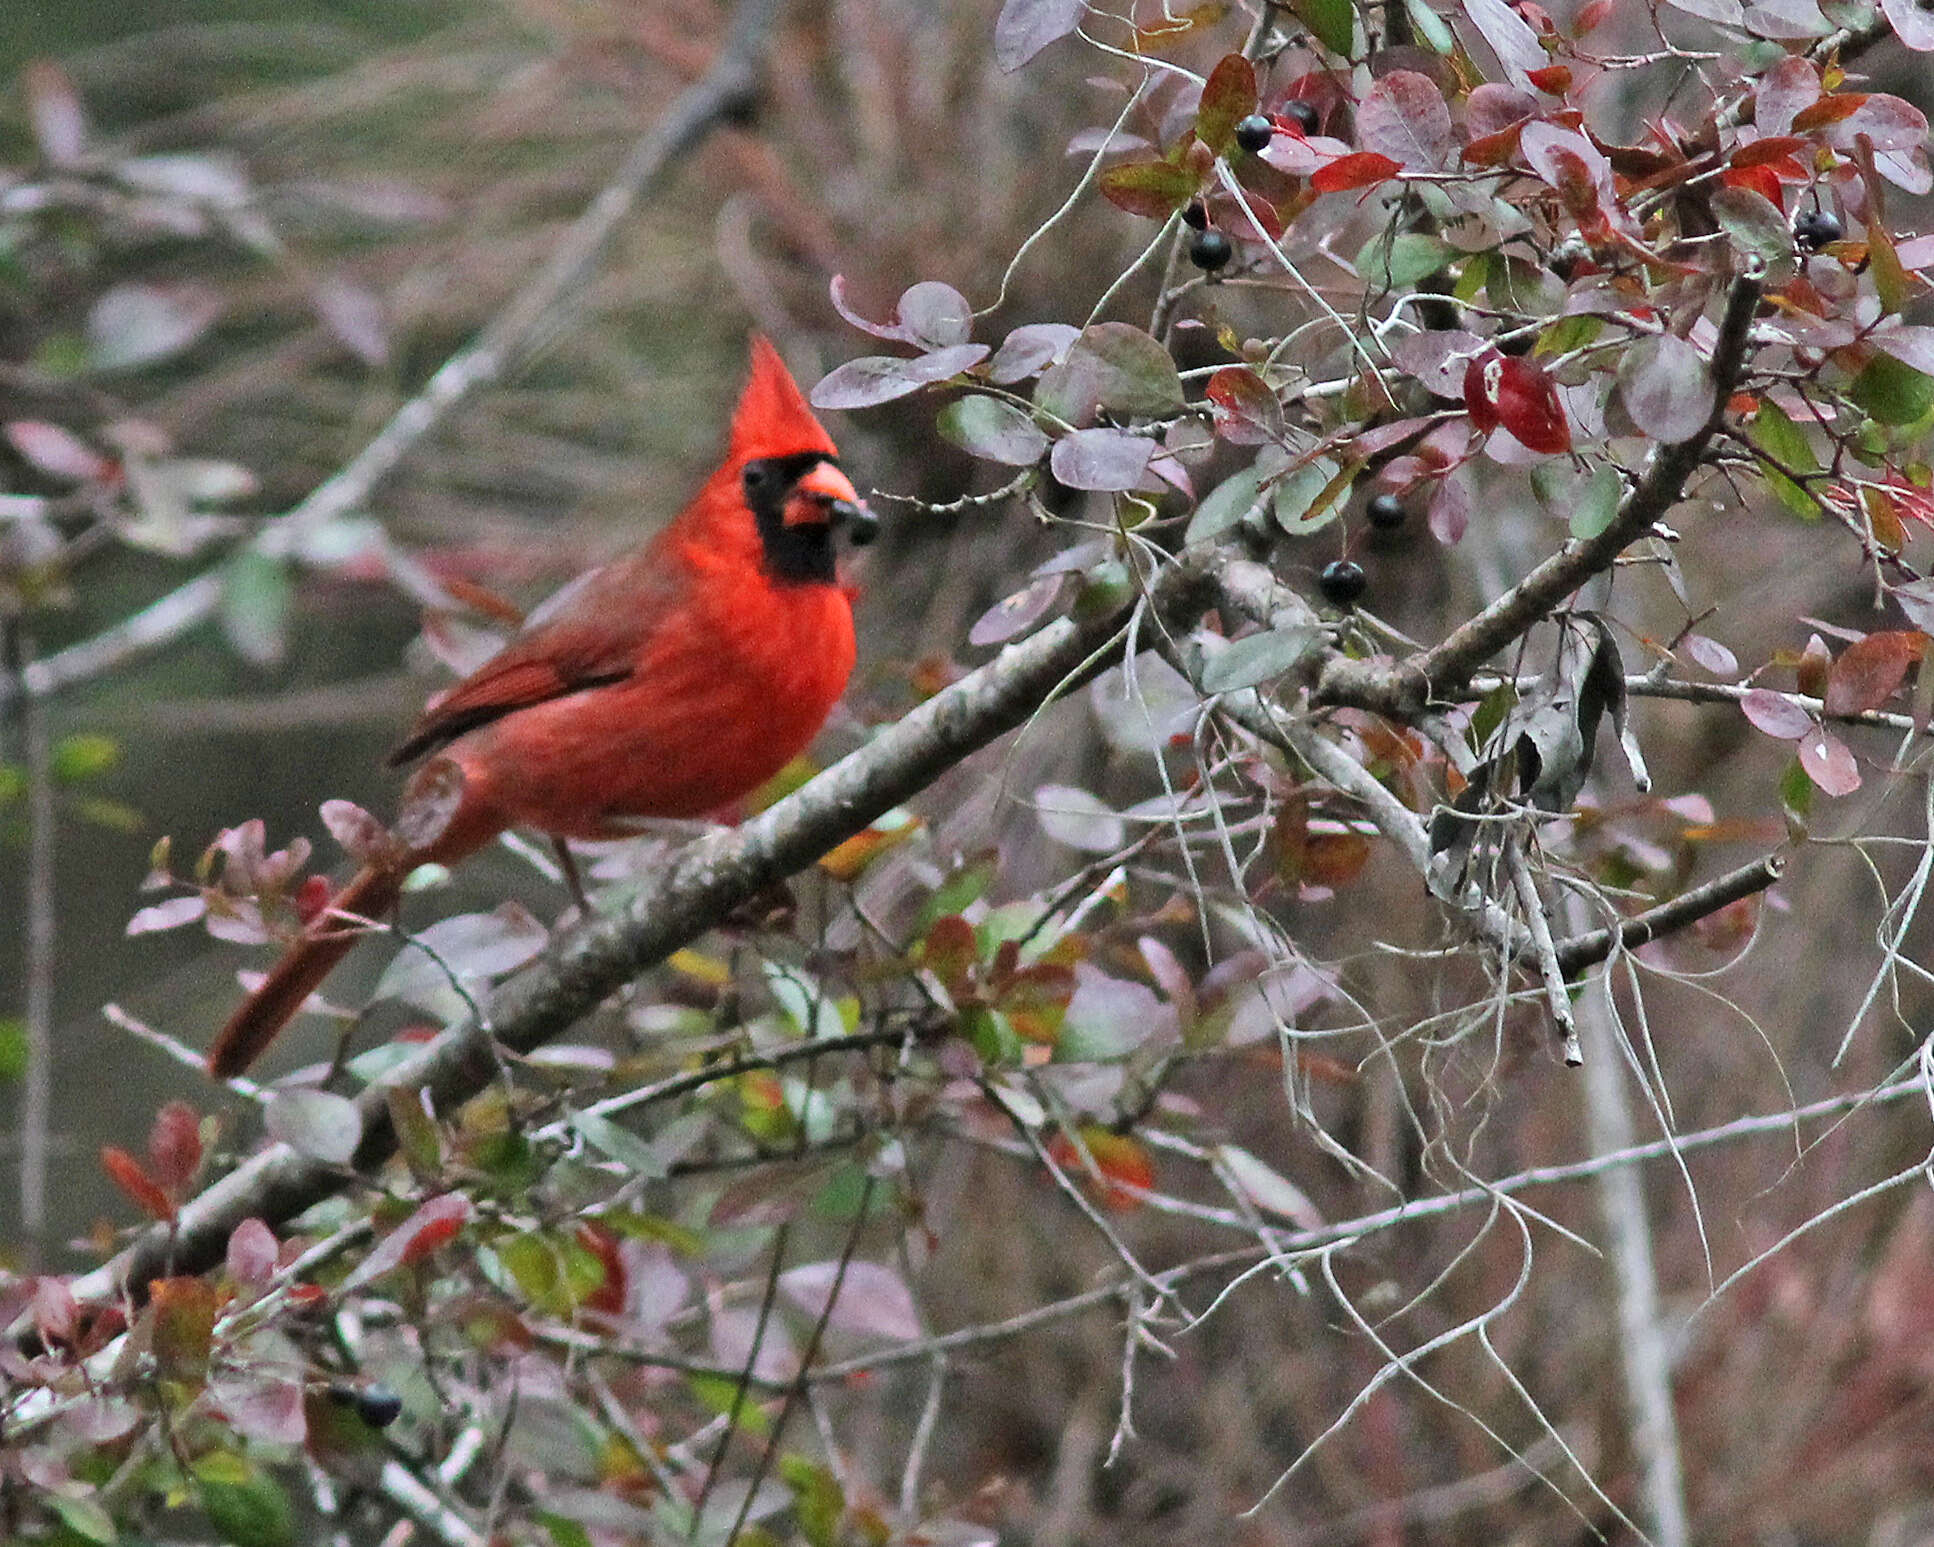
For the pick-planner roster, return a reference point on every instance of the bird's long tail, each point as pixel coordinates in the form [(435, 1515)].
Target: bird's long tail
[(253, 1026)]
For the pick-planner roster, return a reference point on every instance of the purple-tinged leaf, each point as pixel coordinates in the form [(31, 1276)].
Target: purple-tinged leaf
[(1267, 1188), (1728, 13), (742, 1337), (251, 1253), (1449, 512), (1775, 714), (1014, 615), (1025, 27), (1116, 366), (1494, 107), (473, 946), (935, 315), (55, 112), (354, 315), (873, 1300), (1030, 349), (1784, 91), (1913, 24), (1710, 655), (1892, 123), (1438, 358), (993, 429), (54, 451), (261, 1404), (135, 324), (892, 332), (359, 834), (1916, 599), (1828, 763), (1079, 819), (1667, 389), (1110, 460), (171, 914), (1404, 116), (875, 379), (316, 1123), (1787, 19), (1510, 36), (1910, 345)]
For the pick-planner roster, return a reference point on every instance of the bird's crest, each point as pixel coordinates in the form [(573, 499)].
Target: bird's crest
[(773, 418)]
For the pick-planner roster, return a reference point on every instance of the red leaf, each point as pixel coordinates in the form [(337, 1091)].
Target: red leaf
[(1246, 411), (1760, 179), (1828, 763), (1510, 390), (1828, 110), (174, 1144), (1360, 169), (415, 1239), (1121, 1160), (1775, 147), (142, 1190), (1553, 80), (1870, 669), (1404, 116), (602, 1242)]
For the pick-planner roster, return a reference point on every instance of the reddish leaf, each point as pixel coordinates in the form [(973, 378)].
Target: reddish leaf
[(1361, 169), (1109, 460), (1554, 80), (1828, 110), (184, 1326), (53, 450), (1828, 763), (1514, 392), (1449, 512), (251, 1253), (56, 1315), (1495, 109), (311, 897), (1758, 179), (1334, 859), (1120, 1158), (1156, 189), (435, 1223), (1246, 411), (1438, 358), (1870, 669), (1404, 116), (142, 1190), (1228, 97), (602, 1242), (174, 1144), (1773, 148), (1775, 714)]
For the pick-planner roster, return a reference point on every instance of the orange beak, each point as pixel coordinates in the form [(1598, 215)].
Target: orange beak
[(826, 495)]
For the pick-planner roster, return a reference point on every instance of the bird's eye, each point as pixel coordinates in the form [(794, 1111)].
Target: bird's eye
[(758, 477)]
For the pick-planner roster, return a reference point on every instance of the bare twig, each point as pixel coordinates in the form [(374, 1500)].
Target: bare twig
[(1543, 952)]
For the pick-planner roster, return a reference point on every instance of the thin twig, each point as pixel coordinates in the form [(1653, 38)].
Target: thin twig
[(36, 1086)]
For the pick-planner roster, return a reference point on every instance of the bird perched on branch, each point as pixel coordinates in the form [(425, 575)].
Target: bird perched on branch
[(667, 684)]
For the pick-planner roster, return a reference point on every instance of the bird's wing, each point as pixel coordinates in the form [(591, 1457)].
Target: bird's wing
[(590, 635)]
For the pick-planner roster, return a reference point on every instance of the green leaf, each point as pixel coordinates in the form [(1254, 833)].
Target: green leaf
[(1228, 97), (1307, 500), (1156, 189), (1400, 261), (1597, 503), (1569, 333), (1796, 789), (13, 1047), (1259, 657), (1223, 508), (83, 1516), (81, 757), (562, 1532), (1113, 366), (619, 1144), (1893, 392), (255, 1513), (1430, 28), (818, 1502), (555, 1272), (256, 594), (1779, 437), (958, 892), (992, 429), (1333, 23)]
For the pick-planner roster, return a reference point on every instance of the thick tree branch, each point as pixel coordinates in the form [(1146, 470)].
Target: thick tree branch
[(1403, 690), (504, 343), (701, 886)]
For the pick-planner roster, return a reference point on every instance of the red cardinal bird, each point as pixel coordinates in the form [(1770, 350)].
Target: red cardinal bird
[(668, 683)]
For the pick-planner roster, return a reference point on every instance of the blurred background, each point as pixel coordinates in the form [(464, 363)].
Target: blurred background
[(398, 170)]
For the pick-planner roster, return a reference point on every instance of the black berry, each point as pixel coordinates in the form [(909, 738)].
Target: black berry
[(1255, 132), (1195, 217), (378, 1406), (1302, 114), (1386, 512), (1342, 581), (1210, 251), (1814, 229)]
